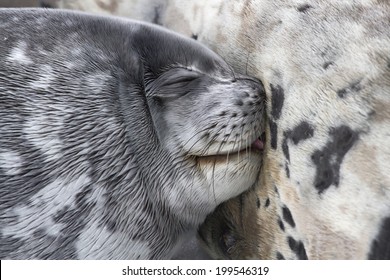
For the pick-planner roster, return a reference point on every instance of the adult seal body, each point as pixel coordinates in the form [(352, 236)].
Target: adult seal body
[(116, 137)]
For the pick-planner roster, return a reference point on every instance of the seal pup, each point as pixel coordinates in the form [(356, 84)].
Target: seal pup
[(117, 137)]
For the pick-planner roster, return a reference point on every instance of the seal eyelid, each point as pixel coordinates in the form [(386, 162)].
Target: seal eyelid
[(178, 75), (173, 83), (181, 79)]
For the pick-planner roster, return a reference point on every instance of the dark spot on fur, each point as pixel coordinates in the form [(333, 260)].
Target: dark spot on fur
[(327, 64), (258, 202), (380, 247), (34, 175), (301, 132), (267, 202), (329, 159), (341, 93), (277, 101), (287, 216), (353, 87), (223, 113), (303, 8), (81, 196), (281, 224), (276, 190), (279, 256), (59, 215), (287, 170), (111, 225), (285, 149), (194, 36), (273, 128), (298, 248)]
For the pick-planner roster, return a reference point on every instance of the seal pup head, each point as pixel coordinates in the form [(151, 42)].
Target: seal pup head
[(213, 121), (205, 116)]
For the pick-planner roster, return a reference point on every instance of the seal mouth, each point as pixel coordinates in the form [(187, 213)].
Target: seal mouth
[(256, 147)]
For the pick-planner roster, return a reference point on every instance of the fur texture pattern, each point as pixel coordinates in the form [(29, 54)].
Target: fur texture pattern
[(324, 190), (117, 137)]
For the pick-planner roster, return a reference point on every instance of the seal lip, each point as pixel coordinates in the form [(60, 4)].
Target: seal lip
[(256, 147)]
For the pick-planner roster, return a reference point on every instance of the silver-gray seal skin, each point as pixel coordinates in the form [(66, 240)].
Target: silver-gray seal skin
[(116, 137)]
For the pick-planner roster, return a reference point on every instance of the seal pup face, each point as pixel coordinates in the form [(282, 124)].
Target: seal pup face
[(213, 121)]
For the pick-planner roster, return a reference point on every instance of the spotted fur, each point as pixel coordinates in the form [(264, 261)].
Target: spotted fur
[(117, 137), (324, 189)]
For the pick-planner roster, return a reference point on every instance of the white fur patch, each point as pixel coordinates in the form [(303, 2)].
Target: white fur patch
[(18, 54), (43, 205), (98, 243), (10, 162), (43, 133), (45, 78)]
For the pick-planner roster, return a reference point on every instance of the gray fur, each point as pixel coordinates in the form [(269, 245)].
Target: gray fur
[(111, 133)]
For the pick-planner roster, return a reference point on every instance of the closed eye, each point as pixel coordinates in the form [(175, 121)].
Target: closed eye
[(178, 77)]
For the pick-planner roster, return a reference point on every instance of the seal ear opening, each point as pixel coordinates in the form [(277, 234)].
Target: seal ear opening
[(173, 83)]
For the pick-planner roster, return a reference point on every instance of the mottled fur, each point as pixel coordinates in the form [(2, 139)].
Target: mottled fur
[(326, 69), (116, 137)]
